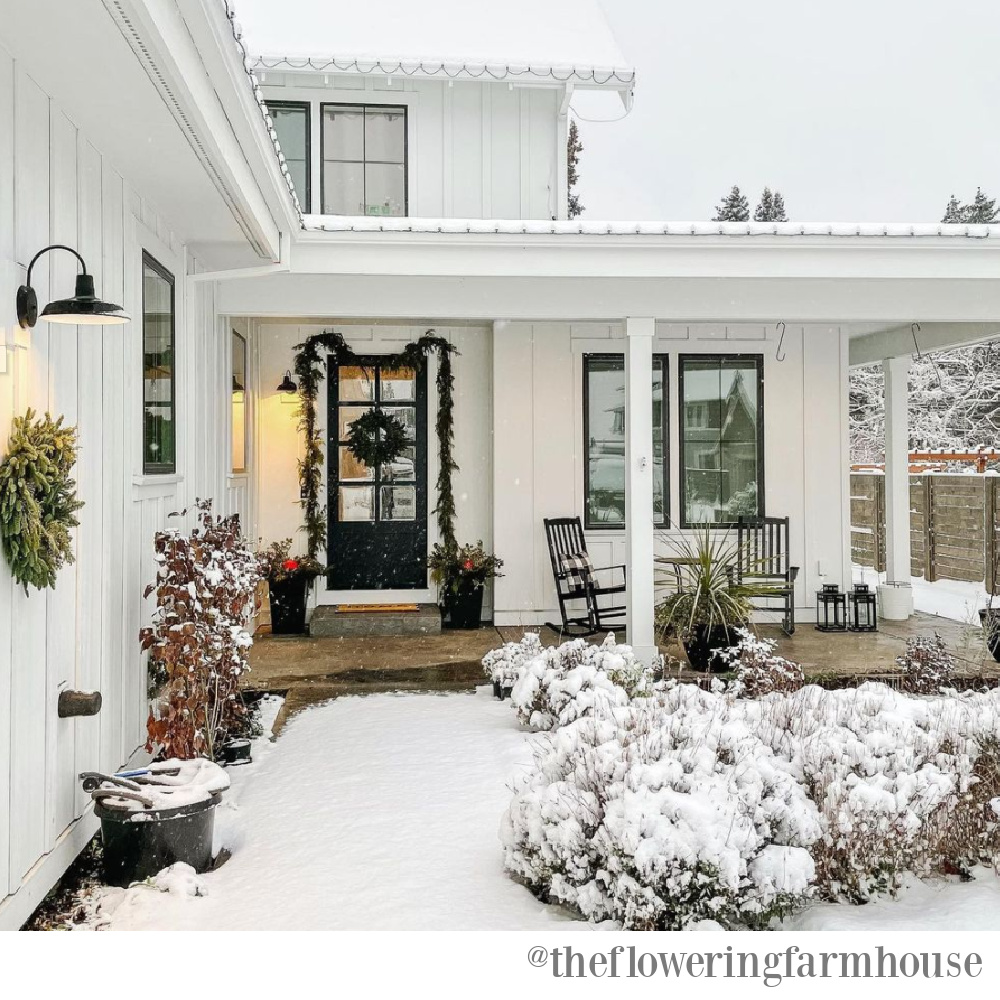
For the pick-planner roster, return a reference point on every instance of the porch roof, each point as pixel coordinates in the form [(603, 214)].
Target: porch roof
[(559, 41)]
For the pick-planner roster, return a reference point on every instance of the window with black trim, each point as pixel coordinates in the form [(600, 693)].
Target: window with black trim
[(721, 436), (291, 122), (159, 426), (238, 346), (604, 440), (364, 153)]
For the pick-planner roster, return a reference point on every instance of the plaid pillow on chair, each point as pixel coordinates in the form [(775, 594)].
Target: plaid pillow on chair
[(579, 571)]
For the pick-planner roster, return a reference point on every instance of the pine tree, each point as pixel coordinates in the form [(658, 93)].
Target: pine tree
[(734, 208), (771, 207), (982, 209), (573, 150), (764, 212), (953, 213)]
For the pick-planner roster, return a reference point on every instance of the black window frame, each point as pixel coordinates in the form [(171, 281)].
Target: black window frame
[(306, 201), (160, 468), (663, 360), (246, 437), (758, 360), (364, 106)]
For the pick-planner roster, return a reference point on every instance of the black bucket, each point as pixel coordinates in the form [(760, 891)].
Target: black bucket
[(236, 751), (140, 843)]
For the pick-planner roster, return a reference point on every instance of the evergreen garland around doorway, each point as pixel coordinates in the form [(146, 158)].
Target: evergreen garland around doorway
[(310, 370)]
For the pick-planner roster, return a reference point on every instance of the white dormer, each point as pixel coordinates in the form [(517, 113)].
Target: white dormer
[(450, 109)]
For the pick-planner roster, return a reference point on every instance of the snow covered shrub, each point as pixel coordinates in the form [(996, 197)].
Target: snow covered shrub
[(759, 670), (563, 683), (927, 665), (660, 813), (199, 642), (503, 665), (693, 805)]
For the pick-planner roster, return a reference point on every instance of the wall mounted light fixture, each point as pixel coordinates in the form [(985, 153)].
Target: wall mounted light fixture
[(83, 308), (287, 385)]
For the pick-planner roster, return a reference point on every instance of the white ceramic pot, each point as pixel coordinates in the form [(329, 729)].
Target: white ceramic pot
[(895, 601)]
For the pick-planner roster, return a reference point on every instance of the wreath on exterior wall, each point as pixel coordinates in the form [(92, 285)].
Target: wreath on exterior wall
[(310, 369), (376, 438), (38, 500)]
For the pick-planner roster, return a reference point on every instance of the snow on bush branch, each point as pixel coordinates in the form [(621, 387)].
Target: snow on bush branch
[(558, 685), (692, 805)]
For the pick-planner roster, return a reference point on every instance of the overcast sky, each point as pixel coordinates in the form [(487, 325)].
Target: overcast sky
[(856, 111)]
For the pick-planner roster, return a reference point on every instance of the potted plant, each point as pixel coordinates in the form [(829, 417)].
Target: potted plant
[(288, 579), (461, 572), (708, 608)]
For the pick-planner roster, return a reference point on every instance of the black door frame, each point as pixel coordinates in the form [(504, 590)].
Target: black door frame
[(360, 554)]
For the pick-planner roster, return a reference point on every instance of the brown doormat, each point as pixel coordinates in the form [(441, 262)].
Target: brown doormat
[(375, 609)]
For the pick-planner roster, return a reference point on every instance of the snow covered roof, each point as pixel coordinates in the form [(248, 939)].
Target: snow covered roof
[(581, 227), (517, 40)]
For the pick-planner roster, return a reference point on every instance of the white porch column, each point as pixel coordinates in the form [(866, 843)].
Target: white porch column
[(897, 476), (639, 485)]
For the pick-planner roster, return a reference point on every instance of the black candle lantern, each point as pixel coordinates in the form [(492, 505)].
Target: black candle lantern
[(831, 609), (864, 611)]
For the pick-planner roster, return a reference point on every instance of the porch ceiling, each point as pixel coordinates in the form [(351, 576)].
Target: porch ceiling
[(882, 343)]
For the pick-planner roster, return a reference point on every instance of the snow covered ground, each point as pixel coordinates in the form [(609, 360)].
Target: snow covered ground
[(368, 813), (382, 812)]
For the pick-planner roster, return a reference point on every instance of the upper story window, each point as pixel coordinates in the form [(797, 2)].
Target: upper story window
[(291, 122), (721, 432), (364, 159), (604, 439), (159, 427)]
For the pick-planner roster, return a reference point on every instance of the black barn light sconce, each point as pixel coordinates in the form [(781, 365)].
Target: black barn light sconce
[(287, 385), (83, 308)]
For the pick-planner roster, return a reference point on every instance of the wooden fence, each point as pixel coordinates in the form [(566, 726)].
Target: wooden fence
[(954, 525)]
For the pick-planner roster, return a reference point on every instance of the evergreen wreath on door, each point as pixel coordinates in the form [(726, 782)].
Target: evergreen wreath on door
[(310, 369), (376, 438)]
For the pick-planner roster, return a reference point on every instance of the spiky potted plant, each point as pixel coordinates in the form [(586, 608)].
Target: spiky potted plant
[(461, 572), (708, 607), (288, 579)]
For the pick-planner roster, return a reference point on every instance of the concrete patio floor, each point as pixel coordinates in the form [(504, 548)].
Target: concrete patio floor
[(312, 670)]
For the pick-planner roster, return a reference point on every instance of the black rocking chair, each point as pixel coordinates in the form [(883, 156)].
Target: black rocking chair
[(763, 561), (576, 580)]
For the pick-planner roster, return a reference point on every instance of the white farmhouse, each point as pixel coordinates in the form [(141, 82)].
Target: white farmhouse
[(379, 170)]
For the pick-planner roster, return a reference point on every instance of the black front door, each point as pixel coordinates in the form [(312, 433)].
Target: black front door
[(377, 517)]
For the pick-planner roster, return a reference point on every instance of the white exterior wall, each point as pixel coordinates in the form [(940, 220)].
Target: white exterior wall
[(539, 459), (280, 443), (476, 150), (55, 186)]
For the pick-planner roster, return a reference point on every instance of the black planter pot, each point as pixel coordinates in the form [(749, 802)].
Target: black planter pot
[(236, 752), (705, 642), (989, 618), (137, 845), (465, 609), (288, 604), (500, 693)]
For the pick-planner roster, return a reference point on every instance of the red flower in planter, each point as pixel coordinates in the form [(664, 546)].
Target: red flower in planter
[(290, 564), (468, 564)]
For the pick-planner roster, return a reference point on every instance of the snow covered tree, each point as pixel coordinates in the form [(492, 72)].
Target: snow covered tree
[(953, 213), (573, 150), (779, 208), (771, 207), (954, 403), (981, 211), (734, 208)]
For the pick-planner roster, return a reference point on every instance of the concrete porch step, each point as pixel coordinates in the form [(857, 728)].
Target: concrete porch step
[(328, 621)]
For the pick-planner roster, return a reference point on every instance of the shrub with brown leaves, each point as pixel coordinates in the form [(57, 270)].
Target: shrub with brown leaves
[(199, 641), (927, 666)]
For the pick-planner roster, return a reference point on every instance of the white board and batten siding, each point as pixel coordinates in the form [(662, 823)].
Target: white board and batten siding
[(56, 187), (538, 464), (475, 150)]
